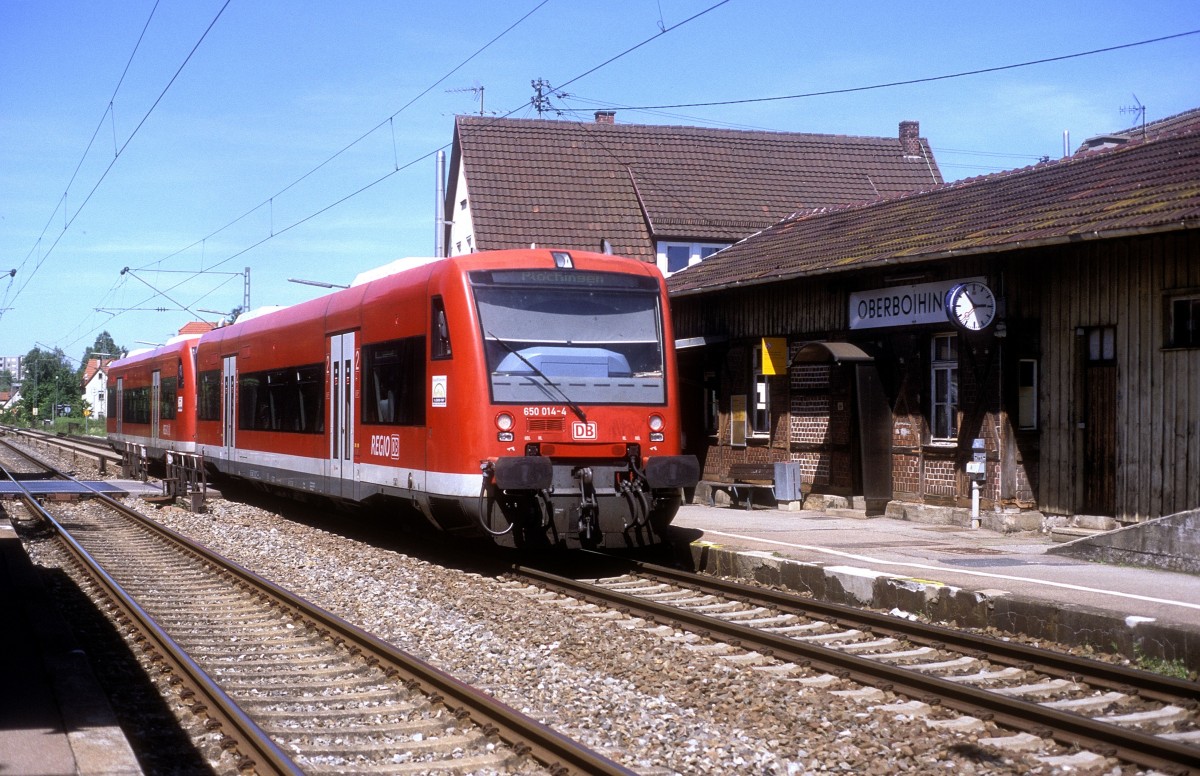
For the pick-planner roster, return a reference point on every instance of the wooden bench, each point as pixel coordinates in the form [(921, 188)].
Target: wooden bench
[(740, 482)]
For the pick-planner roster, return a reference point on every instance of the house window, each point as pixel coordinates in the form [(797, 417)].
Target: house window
[(674, 256), (1101, 344), (462, 204), (760, 401), (678, 257), (943, 420), (1027, 382), (1183, 322)]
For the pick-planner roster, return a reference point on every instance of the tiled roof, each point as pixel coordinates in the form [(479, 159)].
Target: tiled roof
[(197, 327), (93, 366), (1139, 187), (572, 184), (1188, 120)]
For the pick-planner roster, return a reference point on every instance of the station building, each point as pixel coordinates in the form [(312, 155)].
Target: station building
[(1034, 334)]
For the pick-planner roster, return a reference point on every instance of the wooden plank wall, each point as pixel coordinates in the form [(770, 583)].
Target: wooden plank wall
[(1062, 289), (1125, 284)]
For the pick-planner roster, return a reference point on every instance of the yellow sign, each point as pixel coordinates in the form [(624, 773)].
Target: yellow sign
[(774, 350)]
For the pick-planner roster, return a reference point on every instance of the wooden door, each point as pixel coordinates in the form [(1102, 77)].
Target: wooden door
[(1099, 493)]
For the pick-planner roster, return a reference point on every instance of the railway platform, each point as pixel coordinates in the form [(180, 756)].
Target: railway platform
[(957, 575), (54, 717)]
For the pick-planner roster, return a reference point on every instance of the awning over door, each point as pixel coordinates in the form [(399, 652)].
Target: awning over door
[(835, 352)]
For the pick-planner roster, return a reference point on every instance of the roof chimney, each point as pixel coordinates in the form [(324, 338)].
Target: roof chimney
[(910, 138), (606, 117)]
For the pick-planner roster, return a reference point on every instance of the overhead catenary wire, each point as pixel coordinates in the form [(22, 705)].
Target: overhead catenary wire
[(397, 167), (28, 277)]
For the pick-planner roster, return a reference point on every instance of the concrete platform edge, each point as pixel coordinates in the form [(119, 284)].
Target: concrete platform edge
[(1078, 626), (96, 742)]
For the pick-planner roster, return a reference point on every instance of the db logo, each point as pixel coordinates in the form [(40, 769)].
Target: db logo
[(584, 430), (386, 446)]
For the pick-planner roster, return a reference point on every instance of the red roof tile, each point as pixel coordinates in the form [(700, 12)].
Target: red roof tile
[(572, 184), (197, 327), (1139, 187)]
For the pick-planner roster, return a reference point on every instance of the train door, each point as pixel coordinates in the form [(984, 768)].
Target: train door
[(229, 405), (119, 409), (341, 380), (155, 404)]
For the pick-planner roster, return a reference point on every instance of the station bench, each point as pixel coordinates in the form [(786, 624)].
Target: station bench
[(743, 479)]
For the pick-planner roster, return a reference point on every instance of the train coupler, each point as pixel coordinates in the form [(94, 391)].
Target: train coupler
[(589, 510)]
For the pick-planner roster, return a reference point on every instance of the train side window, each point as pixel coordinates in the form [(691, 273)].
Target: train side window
[(394, 382), (136, 405), (166, 398), (288, 399), (209, 395), (439, 331)]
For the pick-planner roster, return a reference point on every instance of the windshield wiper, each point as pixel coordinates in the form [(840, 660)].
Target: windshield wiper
[(567, 399)]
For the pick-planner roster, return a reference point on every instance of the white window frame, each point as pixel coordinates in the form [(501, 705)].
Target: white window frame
[(697, 252), (943, 412)]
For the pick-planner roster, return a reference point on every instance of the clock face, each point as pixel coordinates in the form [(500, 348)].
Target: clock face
[(971, 306)]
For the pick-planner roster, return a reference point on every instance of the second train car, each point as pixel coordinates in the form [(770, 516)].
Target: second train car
[(528, 396)]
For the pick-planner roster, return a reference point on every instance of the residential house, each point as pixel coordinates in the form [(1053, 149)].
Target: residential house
[(1034, 334), (95, 373), (665, 194)]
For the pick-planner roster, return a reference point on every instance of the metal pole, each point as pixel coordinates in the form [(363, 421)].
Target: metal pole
[(439, 206)]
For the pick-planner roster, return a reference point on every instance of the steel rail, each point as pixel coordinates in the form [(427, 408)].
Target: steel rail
[(91, 447), (1066, 727), (527, 736), (255, 747), (562, 755), (1146, 684)]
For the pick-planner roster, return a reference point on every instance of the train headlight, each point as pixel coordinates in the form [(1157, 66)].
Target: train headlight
[(656, 428), (504, 422)]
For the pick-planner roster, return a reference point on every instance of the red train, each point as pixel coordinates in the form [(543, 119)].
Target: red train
[(152, 398), (528, 396)]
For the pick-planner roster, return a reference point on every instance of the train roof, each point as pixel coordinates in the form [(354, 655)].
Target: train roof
[(172, 346), (370, 283)]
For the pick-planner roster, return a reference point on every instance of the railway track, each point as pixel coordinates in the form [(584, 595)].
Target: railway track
[(1094, 711), (94, 450), (285, 686)]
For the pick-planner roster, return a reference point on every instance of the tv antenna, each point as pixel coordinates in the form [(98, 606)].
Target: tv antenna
[(475, 90), (1140, 110)]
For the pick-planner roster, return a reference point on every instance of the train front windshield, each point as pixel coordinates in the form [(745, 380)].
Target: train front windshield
[(571, 336)]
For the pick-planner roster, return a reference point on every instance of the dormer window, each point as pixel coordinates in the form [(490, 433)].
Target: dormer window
[(675, 256)]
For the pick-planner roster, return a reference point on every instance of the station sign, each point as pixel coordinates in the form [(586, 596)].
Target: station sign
[(910, 305)]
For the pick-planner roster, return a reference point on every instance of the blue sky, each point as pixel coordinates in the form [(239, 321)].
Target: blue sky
[(298, 138)]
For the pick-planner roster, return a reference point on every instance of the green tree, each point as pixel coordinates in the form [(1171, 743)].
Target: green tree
[(104, 344), (6, 379), (50, 381)]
